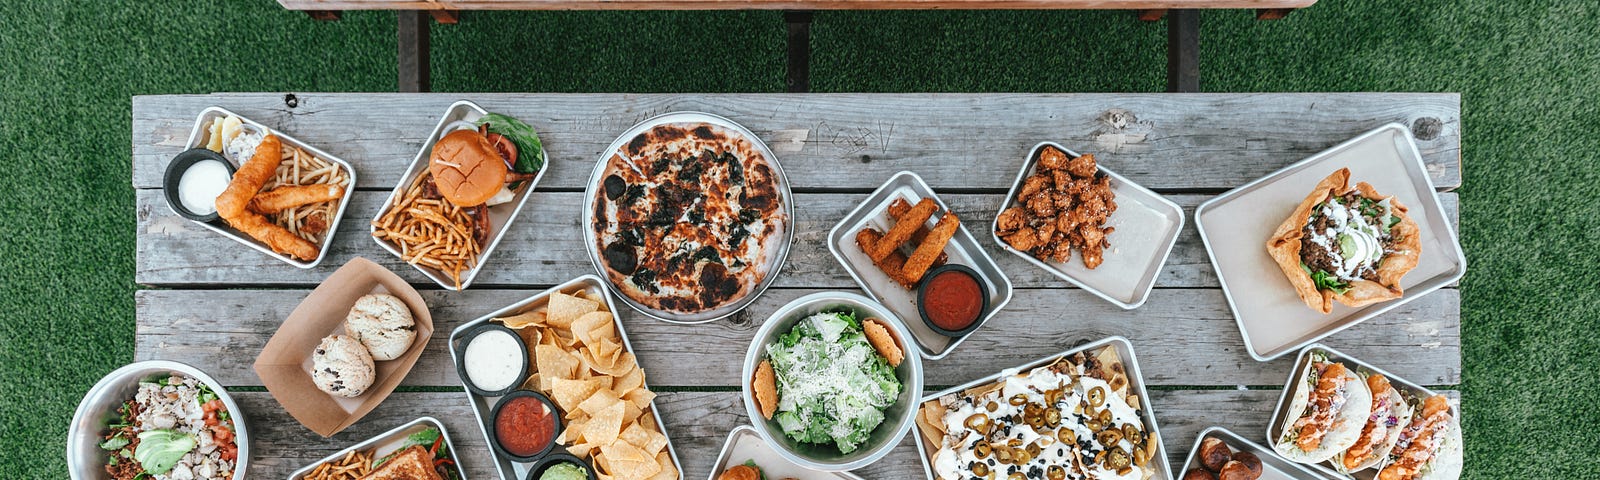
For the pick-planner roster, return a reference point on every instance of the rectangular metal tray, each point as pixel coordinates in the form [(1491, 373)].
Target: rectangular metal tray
[(1273, 467), (745, 444), (203, 121), (1405, 387), (387, 443), (481, 405), (500, 216), (963, 249), (1147, 226), (1130, 362), (1235, 227)]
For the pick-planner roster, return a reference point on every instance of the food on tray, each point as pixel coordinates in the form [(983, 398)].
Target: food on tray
[(1077, 417), (834, 379), (1430, 446), (1389, 412), (564, 471), (1219, 462), (422, 455), (748, 471), (689, 218), (494, 360), (173, 427), (525, 425), (441, 219), (952, 300), (582, 365), (383, 324), (285, 198), (341, 366), (910, 227), (1347, 244), (1062, 206), (410, 464), (1326, 414), (200, 185)]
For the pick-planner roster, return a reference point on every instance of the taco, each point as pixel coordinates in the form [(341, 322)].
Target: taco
[(1390, 414), (1429, 447), (1329, 407), (1346, 244)]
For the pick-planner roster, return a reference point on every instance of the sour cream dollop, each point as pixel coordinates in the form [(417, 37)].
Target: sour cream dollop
[(200, 185)]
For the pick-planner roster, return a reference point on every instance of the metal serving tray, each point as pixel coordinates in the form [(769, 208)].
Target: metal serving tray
[(1147, 226), (1273, 467), (500, 216), (1130, 362), (203, 122), (390, 442), (744, 444), (481, 405), (597, 176), (1406, 388), (1235, 227), (963, 249)]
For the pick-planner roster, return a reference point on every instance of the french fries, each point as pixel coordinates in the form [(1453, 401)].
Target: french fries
[(353, 466), (430, 232), (300, 215)]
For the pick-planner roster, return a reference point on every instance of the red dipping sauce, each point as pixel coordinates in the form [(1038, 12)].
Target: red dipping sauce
[(525, 426), (953, 300)]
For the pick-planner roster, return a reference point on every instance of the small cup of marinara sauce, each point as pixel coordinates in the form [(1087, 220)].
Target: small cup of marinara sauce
[(952, 299), (526, 424)]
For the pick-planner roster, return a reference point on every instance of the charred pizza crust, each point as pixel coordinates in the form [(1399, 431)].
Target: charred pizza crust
[(1285, 245), (689, 218)]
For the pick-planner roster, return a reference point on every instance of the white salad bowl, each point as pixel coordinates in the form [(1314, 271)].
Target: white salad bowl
[(98, 410), (897, 418)]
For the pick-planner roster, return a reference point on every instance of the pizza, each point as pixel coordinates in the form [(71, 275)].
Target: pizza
[(689, 217)]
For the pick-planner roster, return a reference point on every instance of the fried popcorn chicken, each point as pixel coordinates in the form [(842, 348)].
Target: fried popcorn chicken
[(1062, 206)]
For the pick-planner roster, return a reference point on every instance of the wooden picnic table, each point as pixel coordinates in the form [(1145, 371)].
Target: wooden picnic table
[(216, 303)]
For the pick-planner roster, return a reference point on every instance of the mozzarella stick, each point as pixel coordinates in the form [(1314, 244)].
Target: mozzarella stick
[(287, 197), (892, 264), (929, 250), (902, 230), (897, 209)]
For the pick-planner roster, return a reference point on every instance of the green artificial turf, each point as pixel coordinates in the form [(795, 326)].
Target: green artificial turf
[(1529, 74)]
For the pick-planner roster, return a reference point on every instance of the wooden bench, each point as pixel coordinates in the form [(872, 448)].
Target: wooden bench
[(216, 303), (1183, 24)]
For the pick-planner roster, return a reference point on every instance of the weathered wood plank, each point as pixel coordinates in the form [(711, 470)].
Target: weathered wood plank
[(783, 4), (698, 423), (1192, 142), (545, 248), (1184, 337)]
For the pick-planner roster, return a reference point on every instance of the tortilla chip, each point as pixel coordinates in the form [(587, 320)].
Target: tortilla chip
[(650, 440), (519, 321), (630, 381), (554, 362), (624, 363), (669, 471), (593, 326), (625, 460), (604, 426), (569, 393), (595, 297), (530, 336), (597, 401), (563, 309)]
